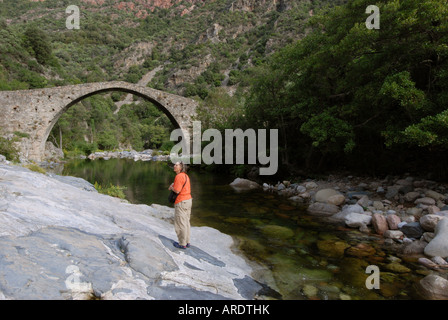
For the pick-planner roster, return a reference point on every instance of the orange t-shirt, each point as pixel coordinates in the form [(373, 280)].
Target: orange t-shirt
[(179, 181)]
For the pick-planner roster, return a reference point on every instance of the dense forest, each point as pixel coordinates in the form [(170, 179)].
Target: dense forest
[(343, 96), (375, 101)]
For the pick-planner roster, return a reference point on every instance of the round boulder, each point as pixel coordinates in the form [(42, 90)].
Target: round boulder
[(439, 245), (324, 194), (244, 184), (430, 221), (322, 209)]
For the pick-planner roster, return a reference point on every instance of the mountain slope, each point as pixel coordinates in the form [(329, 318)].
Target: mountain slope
[(196, 42)]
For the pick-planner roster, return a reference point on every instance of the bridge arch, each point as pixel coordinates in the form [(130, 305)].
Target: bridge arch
[(35, 112)]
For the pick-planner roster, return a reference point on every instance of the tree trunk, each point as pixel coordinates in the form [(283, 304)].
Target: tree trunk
[(60, 137)]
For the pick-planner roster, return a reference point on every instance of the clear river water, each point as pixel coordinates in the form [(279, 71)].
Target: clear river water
[(307, 258)]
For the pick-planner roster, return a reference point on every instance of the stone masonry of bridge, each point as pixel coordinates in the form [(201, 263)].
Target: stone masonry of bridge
[(36, 111)]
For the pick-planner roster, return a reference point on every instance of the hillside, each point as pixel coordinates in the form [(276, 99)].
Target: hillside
[(200, 44)]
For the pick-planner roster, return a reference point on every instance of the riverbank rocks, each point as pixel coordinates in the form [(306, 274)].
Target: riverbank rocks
[(412, 230), (337, 199), (357, 220), (435, 195), (379, 222), (145, 155), (434, 287), (425, 201), (393, 221), (411, 196), (439, 245), (59, 241), (393, 234), (325, 195), (322, 209), (430, 221), (404, 211), (244, 184)]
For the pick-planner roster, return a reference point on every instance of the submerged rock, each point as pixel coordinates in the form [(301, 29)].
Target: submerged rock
[(332, 248), (277, 232), (434, 287)]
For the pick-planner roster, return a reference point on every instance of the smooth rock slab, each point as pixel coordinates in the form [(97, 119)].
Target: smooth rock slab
[(59, 241), (38, 266)]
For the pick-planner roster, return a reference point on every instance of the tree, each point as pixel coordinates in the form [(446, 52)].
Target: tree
[(38, 44), (350, 94)]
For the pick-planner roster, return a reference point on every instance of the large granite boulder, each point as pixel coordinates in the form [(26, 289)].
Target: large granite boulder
[(60, 241)]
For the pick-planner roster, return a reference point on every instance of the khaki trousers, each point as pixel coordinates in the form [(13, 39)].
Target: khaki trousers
[(182, 211)]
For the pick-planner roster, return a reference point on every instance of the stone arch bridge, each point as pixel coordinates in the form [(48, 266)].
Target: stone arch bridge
[(36, 111)]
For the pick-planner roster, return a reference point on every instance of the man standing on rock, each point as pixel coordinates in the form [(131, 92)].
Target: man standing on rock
[(182, 206)]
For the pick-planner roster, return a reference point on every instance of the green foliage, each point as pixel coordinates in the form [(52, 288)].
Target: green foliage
[(240, 170), (219, 110), (341, 95), (137, 125), (431, 131), (401, 89), (18, 69), (35, 168), (111, 190), (328, 131), (37, 43), (21, 134), (344, 87), (8, 149)]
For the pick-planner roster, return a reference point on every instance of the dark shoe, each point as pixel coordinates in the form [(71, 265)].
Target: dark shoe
[(177, 245), (188, 245)]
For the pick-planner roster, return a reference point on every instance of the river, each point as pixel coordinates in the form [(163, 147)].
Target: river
[(308, 259)]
